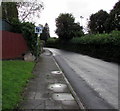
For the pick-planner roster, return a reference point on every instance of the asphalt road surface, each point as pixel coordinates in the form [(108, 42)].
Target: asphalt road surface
[(94, 81)]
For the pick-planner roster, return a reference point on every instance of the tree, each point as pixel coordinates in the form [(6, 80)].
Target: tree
[(9, 11), (25, 11), (29, 10), (77, 29), (97, 22), (66, 26), (113, 21), (45, 34)]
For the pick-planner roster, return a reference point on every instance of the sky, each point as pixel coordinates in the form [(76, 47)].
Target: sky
[(52, 9)]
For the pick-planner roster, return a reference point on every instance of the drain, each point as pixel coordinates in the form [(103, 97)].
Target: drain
[(58, 87), (56, 72), (62, 96)]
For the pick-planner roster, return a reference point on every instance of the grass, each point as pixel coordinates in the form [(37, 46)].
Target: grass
[(15, 75)]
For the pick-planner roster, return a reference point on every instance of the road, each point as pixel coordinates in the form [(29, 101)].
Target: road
[(94, 81)]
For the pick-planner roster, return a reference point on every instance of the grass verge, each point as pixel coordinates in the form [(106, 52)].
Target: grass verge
[(15, 75)]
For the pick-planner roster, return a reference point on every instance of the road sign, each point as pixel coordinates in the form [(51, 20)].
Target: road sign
[(38, 30)]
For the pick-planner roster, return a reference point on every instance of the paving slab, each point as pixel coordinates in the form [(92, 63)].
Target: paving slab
[(33, 104), (47, 90)]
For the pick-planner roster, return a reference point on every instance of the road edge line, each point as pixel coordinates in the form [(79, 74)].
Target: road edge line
[(71, 89)]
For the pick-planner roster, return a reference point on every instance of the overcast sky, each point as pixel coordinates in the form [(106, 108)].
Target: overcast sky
[(52, 9)]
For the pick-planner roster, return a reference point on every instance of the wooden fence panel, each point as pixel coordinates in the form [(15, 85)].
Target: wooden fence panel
[(13, 45)]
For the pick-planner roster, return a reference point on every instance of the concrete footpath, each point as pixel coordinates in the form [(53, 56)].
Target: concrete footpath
[(49, 89)]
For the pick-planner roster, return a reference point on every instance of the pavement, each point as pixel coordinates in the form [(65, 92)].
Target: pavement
[(49, 89)]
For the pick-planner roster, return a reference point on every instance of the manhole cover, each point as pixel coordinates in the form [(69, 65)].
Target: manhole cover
[(56, 72), (57, 87), (62, 96)]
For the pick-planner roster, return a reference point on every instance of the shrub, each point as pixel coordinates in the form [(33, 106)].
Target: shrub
[(30, 36), (99, 39), (105, 46), (27, 29)]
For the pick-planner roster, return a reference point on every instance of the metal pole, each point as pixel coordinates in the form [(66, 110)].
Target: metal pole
[(38, 45), (38, 30)]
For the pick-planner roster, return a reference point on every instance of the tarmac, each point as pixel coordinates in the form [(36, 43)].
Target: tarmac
[(49, 89)]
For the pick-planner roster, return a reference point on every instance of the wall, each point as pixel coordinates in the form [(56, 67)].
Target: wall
[(13, 45)]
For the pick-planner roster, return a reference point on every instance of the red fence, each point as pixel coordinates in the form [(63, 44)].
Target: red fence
[(13, 45)]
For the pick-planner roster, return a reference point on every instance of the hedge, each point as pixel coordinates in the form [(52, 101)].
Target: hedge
[(103, 46)]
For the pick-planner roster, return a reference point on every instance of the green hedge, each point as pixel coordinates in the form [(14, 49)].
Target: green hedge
[(99, 39), (27, 30), (32, 39), (103, 46)]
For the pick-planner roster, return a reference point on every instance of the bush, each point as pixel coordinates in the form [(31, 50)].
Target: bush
[(17, 25), (27, 29), (99, 39), (104, 46), (31, 37)]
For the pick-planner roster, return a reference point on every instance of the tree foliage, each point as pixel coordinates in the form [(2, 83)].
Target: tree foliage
[(66, 27), (27, 30), (29, 10), (45, 33), (113, 21), (25, 11), (9, 11), (103, 22), (97, 21)]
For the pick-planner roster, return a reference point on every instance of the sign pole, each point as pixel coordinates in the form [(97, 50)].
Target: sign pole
[(38, 30), (37, 45)]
